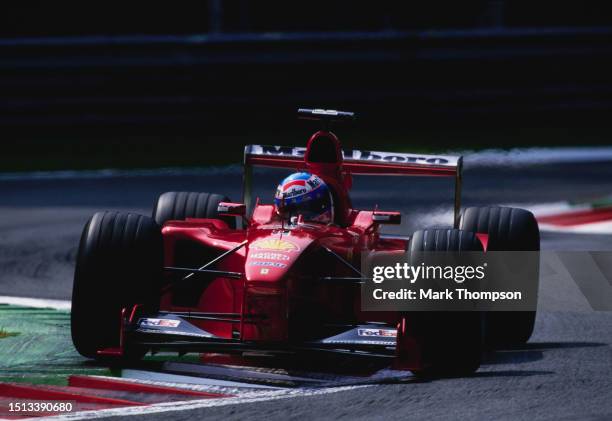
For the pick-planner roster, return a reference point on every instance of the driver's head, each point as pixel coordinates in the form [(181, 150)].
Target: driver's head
[(307, 195)]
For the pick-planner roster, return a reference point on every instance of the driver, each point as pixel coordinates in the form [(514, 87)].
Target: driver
[(307, 195)]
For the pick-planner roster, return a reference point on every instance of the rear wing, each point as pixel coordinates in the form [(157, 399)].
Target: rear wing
[(356, 162)]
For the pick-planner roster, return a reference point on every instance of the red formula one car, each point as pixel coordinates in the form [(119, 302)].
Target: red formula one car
[(208, 275)]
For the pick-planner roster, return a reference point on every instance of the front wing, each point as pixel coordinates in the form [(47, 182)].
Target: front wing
[(171, 332)]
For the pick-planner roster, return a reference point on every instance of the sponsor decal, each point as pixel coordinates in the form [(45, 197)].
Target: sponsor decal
[(160, 322), (358, 155), (314, 182), (274, 244), (389, 333), (266, 255), (276, 150), (268, 264), (294, 191)]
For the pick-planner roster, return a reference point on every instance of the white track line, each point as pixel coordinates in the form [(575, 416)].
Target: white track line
[(551, 208), (201, 403), (534, 156), (36, 302), (601, 227), (539, 210)]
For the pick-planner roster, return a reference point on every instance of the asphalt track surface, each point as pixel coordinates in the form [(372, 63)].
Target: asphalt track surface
[(565, 372)]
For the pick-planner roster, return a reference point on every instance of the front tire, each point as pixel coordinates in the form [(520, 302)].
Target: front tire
[(119, 264), (451, 341)]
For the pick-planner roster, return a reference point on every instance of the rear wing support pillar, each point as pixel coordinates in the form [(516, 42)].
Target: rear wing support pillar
[(247, 185), (458, 182)]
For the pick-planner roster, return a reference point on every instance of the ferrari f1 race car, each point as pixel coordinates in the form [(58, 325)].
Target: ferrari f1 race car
[(208, 275)]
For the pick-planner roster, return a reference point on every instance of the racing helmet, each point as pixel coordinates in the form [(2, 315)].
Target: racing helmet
[(307, 195)]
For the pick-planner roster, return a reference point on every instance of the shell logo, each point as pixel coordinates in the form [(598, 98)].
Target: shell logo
[(274, 244)]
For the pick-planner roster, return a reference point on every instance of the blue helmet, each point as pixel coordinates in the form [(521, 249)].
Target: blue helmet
[(307, 195)]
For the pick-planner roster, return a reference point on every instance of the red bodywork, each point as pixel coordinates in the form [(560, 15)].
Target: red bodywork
[(280, 272), (281, 296)]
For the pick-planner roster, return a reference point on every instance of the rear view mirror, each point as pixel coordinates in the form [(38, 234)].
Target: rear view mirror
[(390, 218), (231, 209)]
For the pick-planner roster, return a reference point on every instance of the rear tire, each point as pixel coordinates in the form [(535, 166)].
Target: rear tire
[(119, 264), (509, 229), (451, 340), (173, 206)]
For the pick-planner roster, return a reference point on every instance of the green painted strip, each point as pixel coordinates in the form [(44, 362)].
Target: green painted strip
[(602, 202), (42, 353)]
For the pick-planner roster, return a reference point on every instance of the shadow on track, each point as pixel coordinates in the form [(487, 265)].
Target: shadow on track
[(555, 345), (530, 352), (511, 373)]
